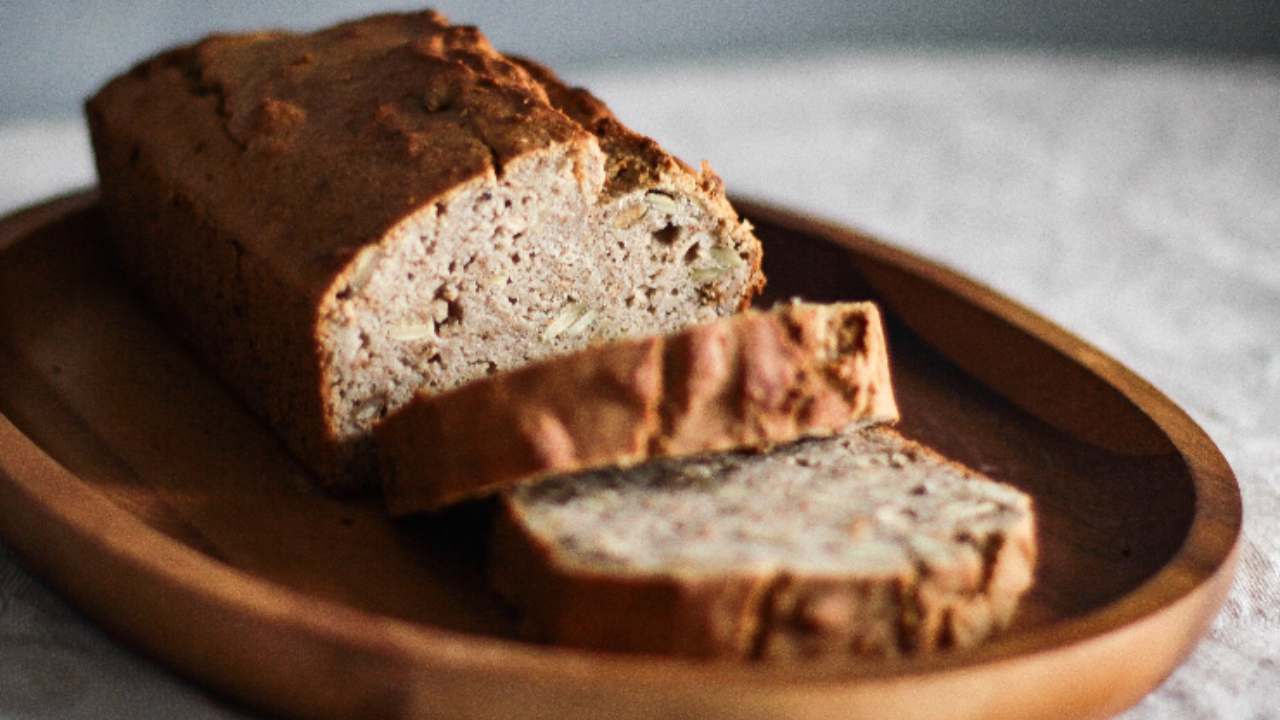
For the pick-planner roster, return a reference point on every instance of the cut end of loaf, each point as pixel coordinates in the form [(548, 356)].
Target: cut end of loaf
[(516, 268), (855, 545)]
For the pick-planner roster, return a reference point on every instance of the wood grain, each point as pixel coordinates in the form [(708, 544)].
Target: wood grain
[(140, 488)]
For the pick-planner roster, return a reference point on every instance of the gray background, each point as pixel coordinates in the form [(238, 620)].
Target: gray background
[(52, 54)]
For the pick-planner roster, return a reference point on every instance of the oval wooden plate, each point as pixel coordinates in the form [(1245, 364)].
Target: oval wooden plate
[(134, 483)]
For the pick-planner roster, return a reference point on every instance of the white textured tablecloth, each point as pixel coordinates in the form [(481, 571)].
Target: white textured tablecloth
[(1134, 201)]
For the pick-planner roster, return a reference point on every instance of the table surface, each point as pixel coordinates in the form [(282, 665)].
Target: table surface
[(1133, 200)]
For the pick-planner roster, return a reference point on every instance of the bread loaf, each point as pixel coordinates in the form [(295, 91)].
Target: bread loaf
[(864, 544), (747, 381), (339, 219)]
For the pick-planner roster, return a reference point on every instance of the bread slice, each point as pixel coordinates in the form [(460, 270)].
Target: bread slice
[(339, 219), (864, 544), (746, 381)]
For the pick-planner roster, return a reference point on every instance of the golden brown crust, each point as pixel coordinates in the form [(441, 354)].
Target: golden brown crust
[(310, 147), (243, 175), (747, 381), (762, 614)]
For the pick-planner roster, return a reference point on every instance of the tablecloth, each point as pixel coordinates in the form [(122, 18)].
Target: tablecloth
[(1133, 200)]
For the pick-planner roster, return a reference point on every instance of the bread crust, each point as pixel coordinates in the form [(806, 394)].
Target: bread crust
[(764, 614), (243, 176), (746, 381)]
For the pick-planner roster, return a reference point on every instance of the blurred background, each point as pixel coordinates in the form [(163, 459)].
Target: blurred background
[(52, 54)]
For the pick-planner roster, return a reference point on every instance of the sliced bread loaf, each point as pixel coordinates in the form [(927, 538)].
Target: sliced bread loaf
[(864, 544), (746, 381), (339, 219)]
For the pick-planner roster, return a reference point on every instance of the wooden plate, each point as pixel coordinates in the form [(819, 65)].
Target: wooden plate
[(135, 484)]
